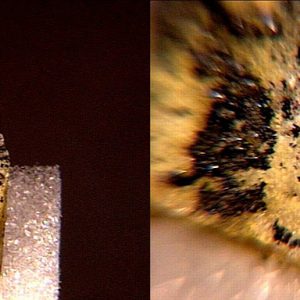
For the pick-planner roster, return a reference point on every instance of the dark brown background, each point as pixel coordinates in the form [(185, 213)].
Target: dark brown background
[(67, 97)]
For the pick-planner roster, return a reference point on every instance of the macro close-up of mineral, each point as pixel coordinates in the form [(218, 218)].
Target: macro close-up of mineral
[(225, 124)]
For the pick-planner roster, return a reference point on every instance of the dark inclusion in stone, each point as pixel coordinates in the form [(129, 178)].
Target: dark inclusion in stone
[(182, 179), (281, 233), (298, 55), (232, 200), (286, 109), (237, 137), (295, 131), (284, 235)]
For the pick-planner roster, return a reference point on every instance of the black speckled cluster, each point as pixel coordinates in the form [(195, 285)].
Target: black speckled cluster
[(286, 109), (237, 137), (282, 234), (231, 200), (295, 131), (238, 133)]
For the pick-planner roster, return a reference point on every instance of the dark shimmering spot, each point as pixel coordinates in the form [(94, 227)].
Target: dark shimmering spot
[(295, 131), (294, 243)]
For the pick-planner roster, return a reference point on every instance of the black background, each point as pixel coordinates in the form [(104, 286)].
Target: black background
[(74, 92)]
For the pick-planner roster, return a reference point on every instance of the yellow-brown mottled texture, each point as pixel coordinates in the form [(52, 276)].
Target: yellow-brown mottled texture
[(180, 106)]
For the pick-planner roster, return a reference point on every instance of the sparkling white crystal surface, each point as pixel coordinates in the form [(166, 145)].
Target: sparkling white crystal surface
[(32, 234)]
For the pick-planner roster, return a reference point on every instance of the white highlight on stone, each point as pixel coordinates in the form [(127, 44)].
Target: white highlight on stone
[(32, 234)]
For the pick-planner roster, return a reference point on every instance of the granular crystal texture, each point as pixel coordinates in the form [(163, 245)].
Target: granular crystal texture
[(31, 244)]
